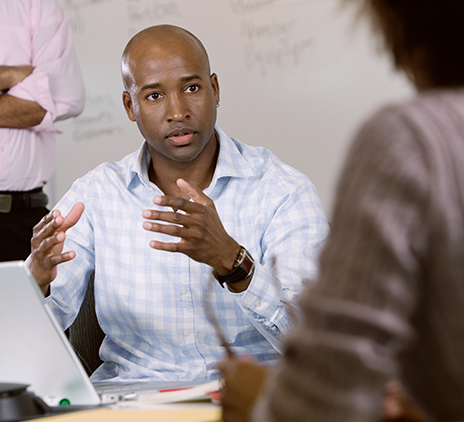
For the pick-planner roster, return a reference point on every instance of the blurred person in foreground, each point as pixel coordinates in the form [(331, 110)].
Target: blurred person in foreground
[(390, 293)]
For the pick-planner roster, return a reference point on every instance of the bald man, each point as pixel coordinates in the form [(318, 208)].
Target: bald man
[(192, 211)]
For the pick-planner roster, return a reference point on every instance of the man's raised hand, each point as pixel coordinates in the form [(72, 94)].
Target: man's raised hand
[(47, 244), (202, 235)]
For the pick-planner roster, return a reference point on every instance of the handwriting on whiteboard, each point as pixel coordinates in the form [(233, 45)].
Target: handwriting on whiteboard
[(142, 13), (249, 6), (75, 8), (273, 44), (273, 36), (284, 54), (97, 120)]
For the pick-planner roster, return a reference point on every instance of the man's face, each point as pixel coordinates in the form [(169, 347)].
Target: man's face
[(172, 98)]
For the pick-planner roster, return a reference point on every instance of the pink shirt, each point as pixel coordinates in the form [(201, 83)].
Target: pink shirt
[(37, 33)]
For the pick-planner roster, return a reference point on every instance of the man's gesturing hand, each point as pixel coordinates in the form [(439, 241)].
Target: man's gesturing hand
[(47, 244), (203, 237)]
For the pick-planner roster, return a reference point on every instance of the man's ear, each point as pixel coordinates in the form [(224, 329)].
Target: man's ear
[(127, 101), (215, 84)]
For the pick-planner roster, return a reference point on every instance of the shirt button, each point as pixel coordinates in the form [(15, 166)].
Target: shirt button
[(2, 149), (186, 333), (258, 303), (183, 292)]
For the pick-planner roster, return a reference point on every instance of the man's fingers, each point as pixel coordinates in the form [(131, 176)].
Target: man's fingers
[(47, 245), (45, 220), (188, 207), (172, 230), (48, 262), (59, 259), (227, 366), (230, 366), (49, 234), (194, 194), (169, 247), (46, 229), (73, 217), (168, 217), (182, 227)]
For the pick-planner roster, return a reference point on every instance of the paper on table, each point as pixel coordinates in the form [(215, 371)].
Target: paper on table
[(188, 414), (197, 392), (198, 395)]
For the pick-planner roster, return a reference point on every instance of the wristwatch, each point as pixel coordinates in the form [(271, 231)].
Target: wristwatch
[(243, 268)]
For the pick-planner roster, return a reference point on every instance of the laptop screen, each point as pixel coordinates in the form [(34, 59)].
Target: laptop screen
[(33, 348)]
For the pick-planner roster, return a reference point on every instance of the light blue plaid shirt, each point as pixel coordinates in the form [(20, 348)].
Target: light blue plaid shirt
[(149, 302)]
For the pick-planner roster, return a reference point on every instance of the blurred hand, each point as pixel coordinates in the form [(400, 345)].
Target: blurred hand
[(397, 408), (243, 381)]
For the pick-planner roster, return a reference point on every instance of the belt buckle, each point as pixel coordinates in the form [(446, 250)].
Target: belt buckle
[(5, 203)]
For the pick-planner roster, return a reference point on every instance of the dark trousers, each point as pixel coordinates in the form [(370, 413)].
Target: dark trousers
[(16, 232)]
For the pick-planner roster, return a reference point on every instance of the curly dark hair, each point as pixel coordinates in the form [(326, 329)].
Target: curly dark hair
[(425, 37)]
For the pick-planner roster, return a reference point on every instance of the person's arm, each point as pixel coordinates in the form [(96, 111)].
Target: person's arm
[(356, 319), (287, 260), (65, 254), (12, 75), (55, 83), (244, 380), (16, 112), (291, 242)]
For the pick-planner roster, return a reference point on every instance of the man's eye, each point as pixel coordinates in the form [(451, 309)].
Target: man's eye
[(154, 96), (193, 88)]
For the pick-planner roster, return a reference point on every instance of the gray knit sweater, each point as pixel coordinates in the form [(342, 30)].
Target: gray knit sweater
[(389, 301)]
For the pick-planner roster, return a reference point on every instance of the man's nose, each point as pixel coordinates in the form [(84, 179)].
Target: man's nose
[(177, 108)]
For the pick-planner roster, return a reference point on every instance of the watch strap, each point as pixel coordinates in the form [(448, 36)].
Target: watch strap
[(243, 268)]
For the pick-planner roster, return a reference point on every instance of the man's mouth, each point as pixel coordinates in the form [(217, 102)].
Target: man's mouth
[(180, 137)]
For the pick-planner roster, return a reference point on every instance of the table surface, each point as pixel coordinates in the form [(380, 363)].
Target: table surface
[(182, 412)]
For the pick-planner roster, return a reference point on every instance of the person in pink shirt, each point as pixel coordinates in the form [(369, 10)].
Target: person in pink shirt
[(40, 83)]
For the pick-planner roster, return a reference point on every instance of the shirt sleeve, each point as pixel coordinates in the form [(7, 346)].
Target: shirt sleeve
[(356, 318), (291, 244), (68, 290), (56, 83)]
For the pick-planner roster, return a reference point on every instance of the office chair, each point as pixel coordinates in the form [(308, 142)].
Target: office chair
[(85, 334)]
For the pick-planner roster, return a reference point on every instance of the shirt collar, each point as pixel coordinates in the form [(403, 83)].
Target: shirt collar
[(138, 171), (231, 162)]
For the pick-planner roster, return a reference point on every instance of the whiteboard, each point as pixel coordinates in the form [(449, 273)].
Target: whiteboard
[(296, 76)]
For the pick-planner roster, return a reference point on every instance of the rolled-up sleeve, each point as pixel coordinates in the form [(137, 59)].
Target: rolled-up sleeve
[(56, 83), (291, 243)]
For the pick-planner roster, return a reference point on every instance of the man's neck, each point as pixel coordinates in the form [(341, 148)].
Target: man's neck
[(197, 173)]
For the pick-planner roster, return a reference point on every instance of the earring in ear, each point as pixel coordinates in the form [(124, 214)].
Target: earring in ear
[(218, 104)]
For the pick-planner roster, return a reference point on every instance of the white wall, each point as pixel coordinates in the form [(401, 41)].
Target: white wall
[(295, 77)]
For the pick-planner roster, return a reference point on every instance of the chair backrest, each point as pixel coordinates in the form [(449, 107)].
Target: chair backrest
[(85, 334)]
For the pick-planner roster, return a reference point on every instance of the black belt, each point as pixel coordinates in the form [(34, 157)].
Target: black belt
[(13, 201)]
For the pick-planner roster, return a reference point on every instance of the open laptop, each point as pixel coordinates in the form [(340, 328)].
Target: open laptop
[(35, 351)]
